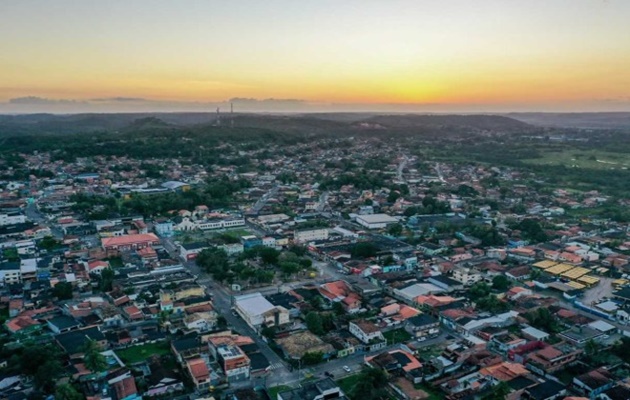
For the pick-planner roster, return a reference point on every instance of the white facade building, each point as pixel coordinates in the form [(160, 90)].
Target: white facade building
[(310, 235)]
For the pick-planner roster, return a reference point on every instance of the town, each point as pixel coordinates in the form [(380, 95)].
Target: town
[(353, 268)]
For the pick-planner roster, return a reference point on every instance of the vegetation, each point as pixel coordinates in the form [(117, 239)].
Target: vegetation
[(136, 354), (543, 319), (370, 385), (63, 290)]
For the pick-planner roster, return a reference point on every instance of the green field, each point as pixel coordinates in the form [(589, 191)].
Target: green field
[(136, 354), (578, 158), (397, 336), (346, 384)]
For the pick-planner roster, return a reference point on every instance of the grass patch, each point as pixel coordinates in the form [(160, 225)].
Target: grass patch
[(137, 354), (273, 391), (346, 384), (579, 158), (397, 336), (434, 394)]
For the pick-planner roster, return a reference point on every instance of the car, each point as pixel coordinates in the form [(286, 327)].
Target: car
[(329, 374), (346, 368)]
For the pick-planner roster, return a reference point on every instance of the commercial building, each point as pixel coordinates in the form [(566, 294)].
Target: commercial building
[(130, 242), (258, 311), (310, 235), (375, 221)]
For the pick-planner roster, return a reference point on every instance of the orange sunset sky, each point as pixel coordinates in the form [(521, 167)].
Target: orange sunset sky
[(450, 55)]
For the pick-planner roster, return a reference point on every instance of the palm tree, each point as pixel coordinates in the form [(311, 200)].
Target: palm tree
[(92, 358)]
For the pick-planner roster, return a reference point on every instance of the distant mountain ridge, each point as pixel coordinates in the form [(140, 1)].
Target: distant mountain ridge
[(34, 124), (599, 120)]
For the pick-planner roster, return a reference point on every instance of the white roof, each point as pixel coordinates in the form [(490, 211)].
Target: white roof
[(253, 304), (377, 218), (419, 289), (28, 265), (608, 306), (601, 326), (535, 333), (173, 185)]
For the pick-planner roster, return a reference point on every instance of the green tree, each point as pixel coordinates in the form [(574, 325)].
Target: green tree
[(312, 358), (107, 280), (67, 392), (364, 250), (478, 290), (500, 282), (92, 357), (49, 243), (395, 230), (370, 385), (337, 308), (499, 392), (63, 291), (314, 323)]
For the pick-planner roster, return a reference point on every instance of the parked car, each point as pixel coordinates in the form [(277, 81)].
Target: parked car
[(346, 368)]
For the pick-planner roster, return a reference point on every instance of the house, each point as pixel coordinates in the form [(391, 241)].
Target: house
[(10, 273), (341, 292), (74, 341), (62, 323), (550, 359), (467, 276), (236, 365), (189, 251), (548, 390), (199, 372), (423, 326), (594, 382), (518, 291), (366, 331)]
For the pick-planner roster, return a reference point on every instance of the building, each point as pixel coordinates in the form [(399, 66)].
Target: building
[(236, 365), (10, 273), (130, 242), (423, 326), (467, 276), (594, 382), (375, 221), (319, 390), (258, 311), (189, 251), (164, 228), (550, 359), (12, 218), (366, 331), (199, 372), (310, 235)]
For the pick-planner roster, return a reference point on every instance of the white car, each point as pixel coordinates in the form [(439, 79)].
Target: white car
[(346, 368)]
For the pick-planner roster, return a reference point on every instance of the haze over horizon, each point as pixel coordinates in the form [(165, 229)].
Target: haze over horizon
[(283, 56)]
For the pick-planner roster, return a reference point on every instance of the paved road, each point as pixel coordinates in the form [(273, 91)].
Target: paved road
[(222, 301), (263, 200), (32, 213)]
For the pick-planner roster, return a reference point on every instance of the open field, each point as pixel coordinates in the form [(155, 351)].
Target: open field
[(579, 158), (136, 354), (346, 384)]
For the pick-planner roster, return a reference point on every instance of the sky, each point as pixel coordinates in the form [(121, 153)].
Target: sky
[(288, 55)]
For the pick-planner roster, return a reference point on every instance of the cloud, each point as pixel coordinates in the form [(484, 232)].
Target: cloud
[(120, 99), (35, 100)]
